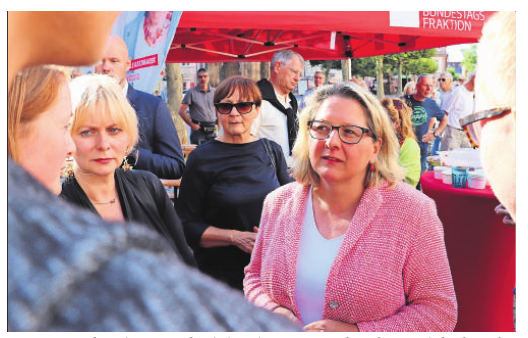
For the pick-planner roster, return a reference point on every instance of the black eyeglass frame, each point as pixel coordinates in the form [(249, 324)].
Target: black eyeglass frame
[(363, 131), (233, 105)]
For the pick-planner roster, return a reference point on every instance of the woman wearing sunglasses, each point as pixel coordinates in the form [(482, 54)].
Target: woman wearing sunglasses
[(225, 182), (350, 247), (409, 156)]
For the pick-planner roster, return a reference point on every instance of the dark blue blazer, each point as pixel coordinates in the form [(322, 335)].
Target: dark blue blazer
[(159, 147)]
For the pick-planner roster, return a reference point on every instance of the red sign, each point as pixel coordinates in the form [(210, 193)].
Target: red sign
[(147, 61)]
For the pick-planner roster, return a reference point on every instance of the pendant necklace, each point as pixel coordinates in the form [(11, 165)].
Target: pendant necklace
[(112, 201)]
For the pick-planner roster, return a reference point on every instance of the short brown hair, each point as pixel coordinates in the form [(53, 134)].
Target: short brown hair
[(33, 91), (247, 90)]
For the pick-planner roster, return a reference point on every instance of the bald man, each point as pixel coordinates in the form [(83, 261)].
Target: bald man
[(159, 150)]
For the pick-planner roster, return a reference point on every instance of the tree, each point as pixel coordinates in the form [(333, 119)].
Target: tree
[(453, 73), (470, 57), (401, 62), (421, 66), (175, 97)]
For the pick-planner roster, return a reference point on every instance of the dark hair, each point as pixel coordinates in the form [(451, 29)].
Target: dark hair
[(247, 90), (201, 70)]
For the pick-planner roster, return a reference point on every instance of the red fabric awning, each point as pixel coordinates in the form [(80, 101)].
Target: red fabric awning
[(255, 36)]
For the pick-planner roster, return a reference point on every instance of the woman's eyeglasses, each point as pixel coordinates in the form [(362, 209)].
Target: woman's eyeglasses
[(350, 134), (473, 123), (241, 107)]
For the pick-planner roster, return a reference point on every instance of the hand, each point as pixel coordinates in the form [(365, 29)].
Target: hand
[(501, 211), (244, 240), (428, 137), (285, 312), (328, 325), (195, 126)]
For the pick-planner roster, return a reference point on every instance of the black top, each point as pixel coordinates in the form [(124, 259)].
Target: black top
[(68, 270), (143, 200), (224, 185)]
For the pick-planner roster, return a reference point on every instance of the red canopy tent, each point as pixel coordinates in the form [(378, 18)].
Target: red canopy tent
[(255, 36)]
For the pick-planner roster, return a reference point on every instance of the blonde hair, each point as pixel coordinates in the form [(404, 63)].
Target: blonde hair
[(496, 80), (403, 114), (407, 87), (386, 166), (33, 91), (99, 95)]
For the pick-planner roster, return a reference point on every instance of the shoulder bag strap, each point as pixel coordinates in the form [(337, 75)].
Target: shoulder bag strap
[(267, 146)]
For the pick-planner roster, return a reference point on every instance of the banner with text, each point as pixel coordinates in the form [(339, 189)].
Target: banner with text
[(148, 36), (461, 21)]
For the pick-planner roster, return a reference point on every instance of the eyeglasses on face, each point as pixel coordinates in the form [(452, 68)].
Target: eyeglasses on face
[(473, 123), (348, 133), (294, 71), (241, 107)]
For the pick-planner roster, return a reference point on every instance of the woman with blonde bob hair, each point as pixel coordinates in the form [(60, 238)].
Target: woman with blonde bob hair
[(349, 246), (409, 157), (104, 129)]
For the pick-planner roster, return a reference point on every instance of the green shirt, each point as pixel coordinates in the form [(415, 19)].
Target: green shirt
[(410, 160)]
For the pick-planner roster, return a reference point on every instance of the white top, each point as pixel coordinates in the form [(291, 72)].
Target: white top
[(461, 105), (316, 256), (445, 98), (272, 124)]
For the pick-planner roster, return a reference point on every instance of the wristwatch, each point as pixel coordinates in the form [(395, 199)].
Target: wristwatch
[(435, 134)]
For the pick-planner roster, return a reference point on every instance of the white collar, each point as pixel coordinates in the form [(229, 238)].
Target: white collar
[(125, 88)]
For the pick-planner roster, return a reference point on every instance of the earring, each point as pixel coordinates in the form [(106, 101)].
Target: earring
[(371, 167), (68, 170), (126, 166)]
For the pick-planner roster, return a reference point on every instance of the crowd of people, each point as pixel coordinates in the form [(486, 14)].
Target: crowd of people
[(287, 220)]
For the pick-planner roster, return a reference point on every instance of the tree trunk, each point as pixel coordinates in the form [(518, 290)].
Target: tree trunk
[(174, 98), (230, 69), (264, 70), (400, 82), (381, 83), (345, 71), (214, 73)]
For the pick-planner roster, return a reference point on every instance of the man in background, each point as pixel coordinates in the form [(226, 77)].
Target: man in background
[(202, 114), (277, 119), (461, 104), (319, 80), (158, 150), (424, 109)]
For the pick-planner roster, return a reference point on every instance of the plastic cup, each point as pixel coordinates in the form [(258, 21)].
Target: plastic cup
[(459, 176)]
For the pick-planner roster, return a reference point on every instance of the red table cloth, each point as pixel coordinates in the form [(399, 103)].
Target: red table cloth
[(481, 252)]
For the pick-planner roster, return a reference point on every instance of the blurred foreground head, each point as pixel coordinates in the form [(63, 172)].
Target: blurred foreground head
[(63, 38), (495, 87)]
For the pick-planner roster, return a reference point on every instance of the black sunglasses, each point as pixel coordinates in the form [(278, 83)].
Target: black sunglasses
[(241, 107)]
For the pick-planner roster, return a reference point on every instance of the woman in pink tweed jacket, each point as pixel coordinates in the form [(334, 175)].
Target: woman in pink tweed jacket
[(380, 263)]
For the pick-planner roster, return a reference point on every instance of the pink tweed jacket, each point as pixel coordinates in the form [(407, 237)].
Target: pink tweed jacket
[(391, 272)]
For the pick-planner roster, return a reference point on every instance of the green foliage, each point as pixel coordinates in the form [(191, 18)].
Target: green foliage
[(453, 73), (421, 66), (470, 57), (327, 64)]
